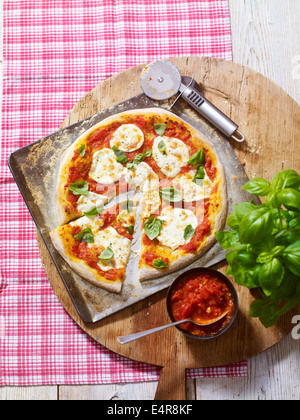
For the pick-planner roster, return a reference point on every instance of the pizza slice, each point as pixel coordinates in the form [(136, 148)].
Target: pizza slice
[(97, 247)]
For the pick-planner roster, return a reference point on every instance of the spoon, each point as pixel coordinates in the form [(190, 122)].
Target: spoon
[(131, 337)]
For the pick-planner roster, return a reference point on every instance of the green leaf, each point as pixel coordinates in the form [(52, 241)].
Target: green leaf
[(127, 205), (130, 229), (93, 212), (198, 158), (160, 129), (79, 188), (161, 146), (199, 175), (271, 275), (170, 194), (269, 315), (121, 157), (243, 209), (227, 240), (291, 257), (290, 198), (286, 179), (256, 225), (232, 222), (256, 307), (152, 227), (258, 186), (159, 263), (86, 235), (82, 150), (265, 257), (141, 156), (188, 232), (107, 254)]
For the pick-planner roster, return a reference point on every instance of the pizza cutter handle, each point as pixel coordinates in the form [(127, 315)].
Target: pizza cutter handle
[(211, 113)]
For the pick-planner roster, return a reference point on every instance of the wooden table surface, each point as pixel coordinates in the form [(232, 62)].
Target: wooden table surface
[(266, 37)]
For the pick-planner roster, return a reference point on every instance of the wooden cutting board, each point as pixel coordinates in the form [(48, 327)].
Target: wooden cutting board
[(270, 120)]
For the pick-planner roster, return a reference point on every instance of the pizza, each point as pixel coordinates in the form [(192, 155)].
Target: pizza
[(141, 172)]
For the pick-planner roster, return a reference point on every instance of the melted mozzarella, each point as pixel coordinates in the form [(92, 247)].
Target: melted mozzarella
[(128, 138), (105, 168), (88, 222), (174, 155), (141, 176), (190, 190), (119, 244), (91, 201), (175, 222)]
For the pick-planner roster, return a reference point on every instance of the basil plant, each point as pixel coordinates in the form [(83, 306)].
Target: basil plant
[(264, 245)]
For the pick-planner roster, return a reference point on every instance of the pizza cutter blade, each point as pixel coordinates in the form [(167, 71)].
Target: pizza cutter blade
[(162, 80)]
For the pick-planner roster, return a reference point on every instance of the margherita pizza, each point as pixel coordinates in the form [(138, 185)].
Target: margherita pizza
[(181, 181)]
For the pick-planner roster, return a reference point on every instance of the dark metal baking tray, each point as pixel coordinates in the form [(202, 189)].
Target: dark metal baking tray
[(34, 168)]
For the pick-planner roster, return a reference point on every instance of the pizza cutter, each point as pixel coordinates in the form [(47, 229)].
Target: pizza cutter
[(162, 80)]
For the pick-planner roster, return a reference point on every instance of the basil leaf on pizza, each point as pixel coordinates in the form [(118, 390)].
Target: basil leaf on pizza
[(188, 232), (79, 188), (160, 129), (82, 150), (152, 227), (159, 263), (199, 176), (86, 235), (121, 157), (107, 254), (198, 158), (171, 195), (127, 205)]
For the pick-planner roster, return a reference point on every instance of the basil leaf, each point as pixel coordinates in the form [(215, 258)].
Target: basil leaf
[(121, 157), (130, 165), (93, 212), (291, 257), (130, 229), (265, 257), (199, 176), (290, 198), (188, 232), (141, 156), (286, 179), (271, 276), (107, 254), (241, 210), (159, 263), (171, 195), (258, 186), (82, 150), (232, 222), (86, 235), (198, 158), (227, 240), (127, 205), (160, 129), (79, 188), (256, 225), (162, 146), (152, 227)]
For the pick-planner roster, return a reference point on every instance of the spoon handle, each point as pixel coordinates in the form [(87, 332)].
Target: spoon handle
[(131, 337)]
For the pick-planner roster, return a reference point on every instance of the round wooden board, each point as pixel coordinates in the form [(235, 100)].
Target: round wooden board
[(270, 120)]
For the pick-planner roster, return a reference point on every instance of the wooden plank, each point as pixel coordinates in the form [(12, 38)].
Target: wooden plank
[(41, 393)]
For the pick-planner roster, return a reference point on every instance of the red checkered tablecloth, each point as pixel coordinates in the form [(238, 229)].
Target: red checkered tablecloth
[(55, 51)]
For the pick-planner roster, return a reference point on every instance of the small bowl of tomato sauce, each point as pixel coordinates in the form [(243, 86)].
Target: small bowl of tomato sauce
[(203, 295)]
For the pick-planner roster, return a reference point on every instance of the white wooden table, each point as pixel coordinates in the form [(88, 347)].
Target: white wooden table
[(266, 37)]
